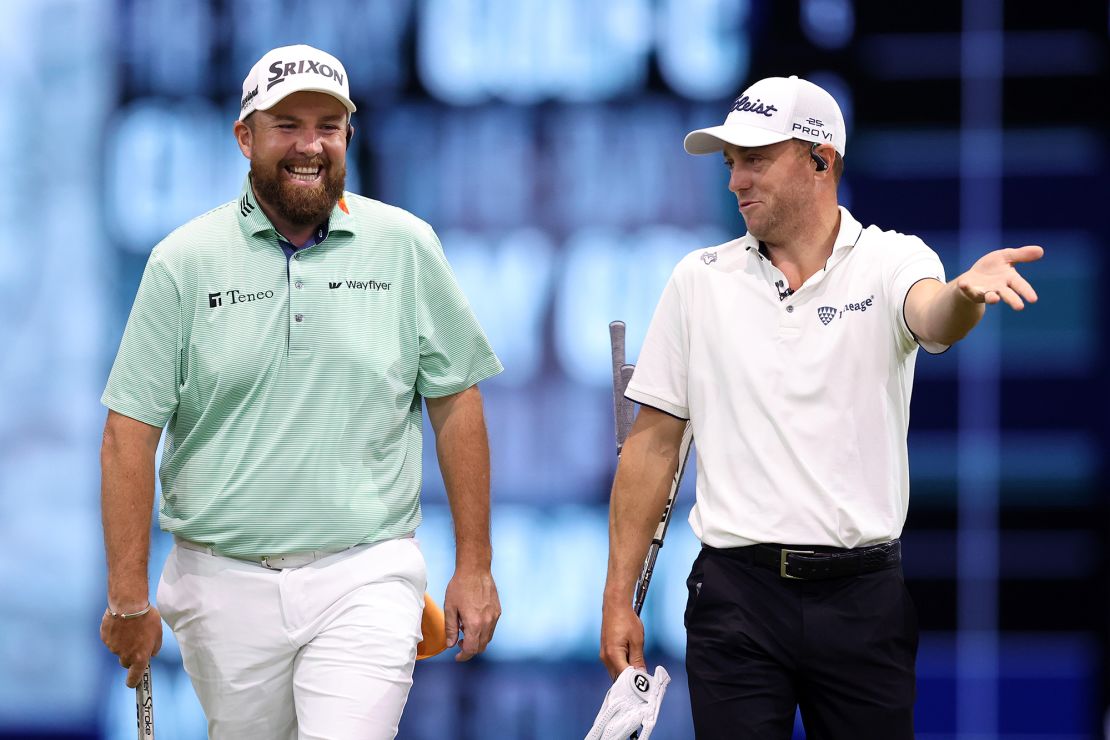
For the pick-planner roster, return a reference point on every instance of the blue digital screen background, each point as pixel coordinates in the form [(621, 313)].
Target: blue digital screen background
[(542, 140)]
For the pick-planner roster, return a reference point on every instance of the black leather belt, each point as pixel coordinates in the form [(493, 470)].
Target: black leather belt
[(819, 563)]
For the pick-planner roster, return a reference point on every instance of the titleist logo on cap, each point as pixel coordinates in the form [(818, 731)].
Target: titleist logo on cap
[(281, 70), (744, 104)]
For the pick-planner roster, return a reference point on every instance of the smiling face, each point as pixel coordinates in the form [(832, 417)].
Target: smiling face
[(298, 153), (774, 187)]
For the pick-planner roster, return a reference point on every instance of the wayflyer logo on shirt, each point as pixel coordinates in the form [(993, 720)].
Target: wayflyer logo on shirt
[(371, 285)]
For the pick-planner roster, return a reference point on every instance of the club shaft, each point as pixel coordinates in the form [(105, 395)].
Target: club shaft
[(644, 581)]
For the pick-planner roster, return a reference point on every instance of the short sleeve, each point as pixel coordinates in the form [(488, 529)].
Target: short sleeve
[(660, 378), (145, 379), (454, 351), (910, 261)]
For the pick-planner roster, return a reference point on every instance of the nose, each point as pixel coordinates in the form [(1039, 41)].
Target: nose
[(309, 143), (739, 178)]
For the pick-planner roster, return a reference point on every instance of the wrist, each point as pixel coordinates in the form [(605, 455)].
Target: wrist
[(474, 559), (473, 566), (616, 599), (130, 613)]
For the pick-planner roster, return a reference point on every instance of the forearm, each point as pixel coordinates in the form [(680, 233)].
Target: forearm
[(639, 495), (462, 447), (126, 500), (947, 315)]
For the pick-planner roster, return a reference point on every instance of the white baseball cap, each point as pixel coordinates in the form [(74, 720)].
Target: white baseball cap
[(772, 110), (289, 69)]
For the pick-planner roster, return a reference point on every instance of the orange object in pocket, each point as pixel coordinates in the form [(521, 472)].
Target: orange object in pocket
[(432, 630)]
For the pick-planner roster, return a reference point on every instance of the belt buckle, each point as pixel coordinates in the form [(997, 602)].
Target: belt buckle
[(782, 562), (265, 562)]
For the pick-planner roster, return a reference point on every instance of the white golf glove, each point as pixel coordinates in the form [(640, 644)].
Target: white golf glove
[(631, 704)]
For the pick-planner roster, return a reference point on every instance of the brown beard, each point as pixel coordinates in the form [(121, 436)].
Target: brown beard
[(299, 206)]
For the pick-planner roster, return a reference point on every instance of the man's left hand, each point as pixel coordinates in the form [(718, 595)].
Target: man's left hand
[(993, 278), (471, 607)]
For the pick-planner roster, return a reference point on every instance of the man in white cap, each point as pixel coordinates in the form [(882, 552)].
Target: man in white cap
[(286, 341), (791, 351)]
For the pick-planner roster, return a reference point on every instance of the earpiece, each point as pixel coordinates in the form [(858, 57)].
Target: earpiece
[(822, 165)]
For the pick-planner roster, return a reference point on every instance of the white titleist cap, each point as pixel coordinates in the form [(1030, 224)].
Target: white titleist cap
[(290, 69), (772, 110)]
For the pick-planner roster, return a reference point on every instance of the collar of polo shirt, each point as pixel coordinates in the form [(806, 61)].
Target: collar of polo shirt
[(253, 221)]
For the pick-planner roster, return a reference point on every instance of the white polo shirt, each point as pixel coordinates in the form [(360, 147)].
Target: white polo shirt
[(800, 404)]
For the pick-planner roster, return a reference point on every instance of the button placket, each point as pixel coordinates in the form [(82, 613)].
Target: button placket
[(298, 315)]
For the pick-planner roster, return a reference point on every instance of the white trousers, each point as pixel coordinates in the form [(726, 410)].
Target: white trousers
[(322, 651)]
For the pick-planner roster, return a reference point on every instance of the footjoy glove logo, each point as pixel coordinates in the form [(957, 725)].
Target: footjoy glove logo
[(235, 297)]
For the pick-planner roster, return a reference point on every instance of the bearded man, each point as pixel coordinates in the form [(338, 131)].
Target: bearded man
[(285, 341)]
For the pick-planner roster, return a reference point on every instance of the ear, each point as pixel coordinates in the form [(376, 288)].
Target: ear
[(244, 137), (823, 156), (350, 133)]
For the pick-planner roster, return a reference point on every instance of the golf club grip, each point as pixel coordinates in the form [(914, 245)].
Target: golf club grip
[(144, 707), (616, 346), (626, 407)]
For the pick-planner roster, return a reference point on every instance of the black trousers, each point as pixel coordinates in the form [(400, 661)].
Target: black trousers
[(759, 646)]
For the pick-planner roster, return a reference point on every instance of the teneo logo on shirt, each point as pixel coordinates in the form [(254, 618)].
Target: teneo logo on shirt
[(235, 297), (280, 70), (359, 285)]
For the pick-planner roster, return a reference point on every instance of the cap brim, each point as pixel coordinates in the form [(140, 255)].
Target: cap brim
[(714, 138), (350, 106)]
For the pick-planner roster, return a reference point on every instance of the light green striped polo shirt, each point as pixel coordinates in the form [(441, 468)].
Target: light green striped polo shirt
[(290, 388)]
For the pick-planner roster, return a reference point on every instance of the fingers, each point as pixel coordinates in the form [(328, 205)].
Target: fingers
[(636, 655), (1030, 253), (615, 660), (1011, 294), (451, 622), (135, 673), (990, 297), (977, 293), (1011, 298), (1022, 287), (477, 633)]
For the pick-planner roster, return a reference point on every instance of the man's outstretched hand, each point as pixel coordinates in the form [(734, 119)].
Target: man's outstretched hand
[(993, 279)]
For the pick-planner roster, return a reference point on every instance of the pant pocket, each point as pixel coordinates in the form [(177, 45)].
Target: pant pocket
[(694, 584)]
